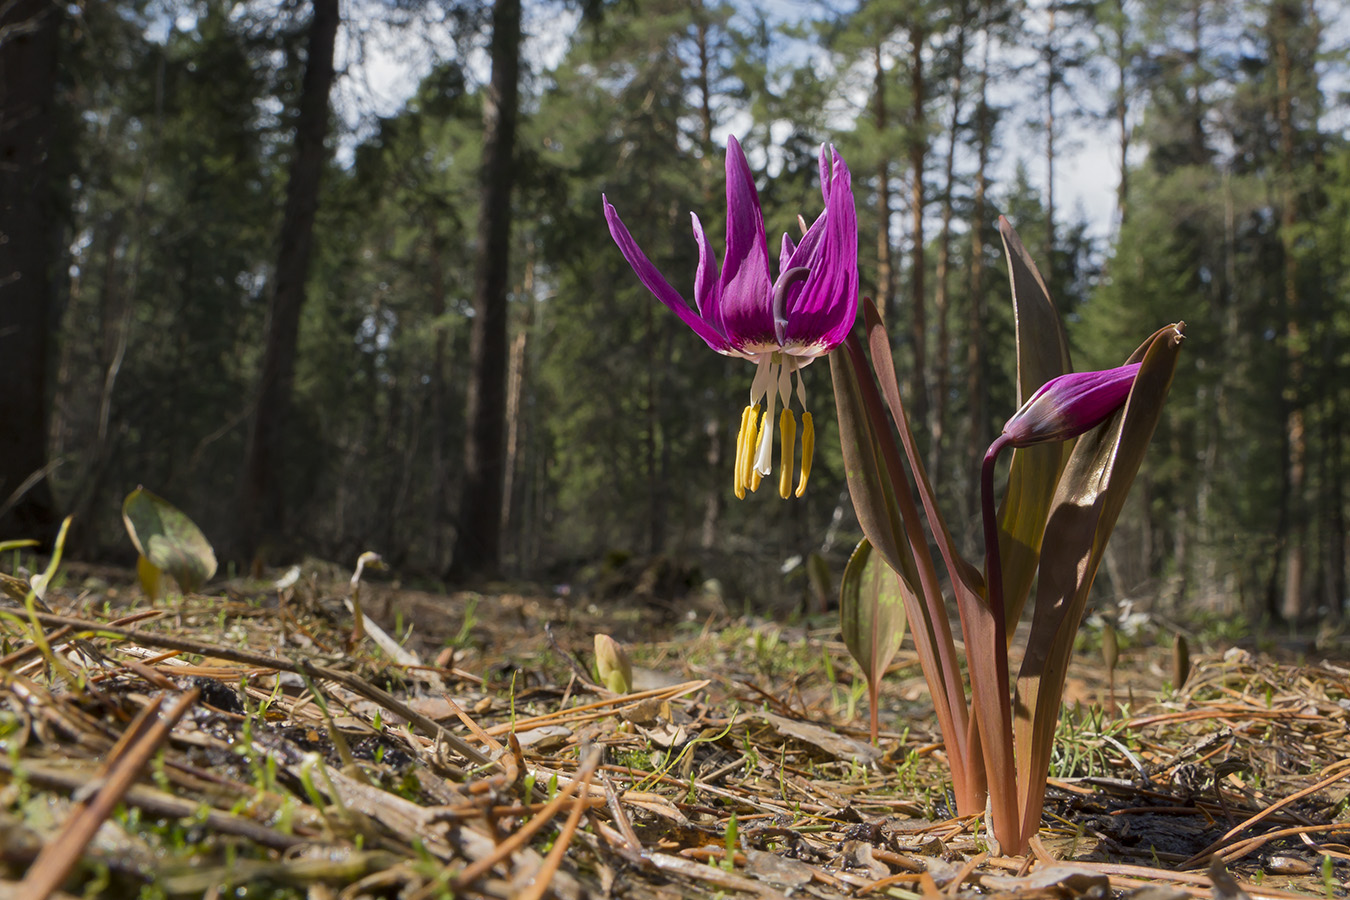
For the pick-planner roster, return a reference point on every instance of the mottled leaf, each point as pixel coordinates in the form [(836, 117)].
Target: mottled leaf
[(986, 647), (869, 479), (168, 539), (890, 520), (1087, 503), (1042, 354), (148, 574), (871, 616)]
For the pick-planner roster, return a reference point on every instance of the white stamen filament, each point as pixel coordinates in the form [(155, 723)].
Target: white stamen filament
[(763, 379), (764, 456)]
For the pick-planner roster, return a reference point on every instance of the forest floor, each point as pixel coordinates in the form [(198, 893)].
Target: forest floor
[(236, 743)]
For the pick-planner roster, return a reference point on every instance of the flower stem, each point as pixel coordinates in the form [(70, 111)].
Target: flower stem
[(993, 564)]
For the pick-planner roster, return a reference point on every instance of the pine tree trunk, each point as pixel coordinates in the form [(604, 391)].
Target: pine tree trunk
[(714, 501), (918, 145), (977, 380), (1122, 99), (885, 272), (942, 362), (438, 501), (1051, 75), (261, 518), (1296, 442), (515, 393), (478, 539), (28, 52)]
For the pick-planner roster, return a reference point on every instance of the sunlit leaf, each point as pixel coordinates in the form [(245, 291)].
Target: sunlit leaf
[(148, 574), (1181, 662), (871, 616), (612, 665), (884, 365), (986, 648), (1042, 354), (869, 480), (877, 484), (1087, 503), (168, 539), (818, 573)]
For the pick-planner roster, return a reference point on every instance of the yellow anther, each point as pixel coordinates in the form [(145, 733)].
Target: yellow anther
[(787, 423), (808, 450), (744, 450)]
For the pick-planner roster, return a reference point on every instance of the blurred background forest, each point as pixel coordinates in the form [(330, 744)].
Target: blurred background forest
[(320, 324)]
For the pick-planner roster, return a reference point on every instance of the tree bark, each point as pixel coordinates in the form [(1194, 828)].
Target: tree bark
[(1296, 442), (28, 52), (478, 538), (941, 290), (918, 146), (977, 380), (885, 274), (1120, 31), (261, 517), (1051, 76), (715, 498), (515, 393)]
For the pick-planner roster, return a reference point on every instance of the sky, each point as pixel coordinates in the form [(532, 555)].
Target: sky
[(382, 66)]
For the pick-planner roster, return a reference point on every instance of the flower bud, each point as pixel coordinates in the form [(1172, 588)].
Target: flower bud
[(612, 665), (1070, 405)]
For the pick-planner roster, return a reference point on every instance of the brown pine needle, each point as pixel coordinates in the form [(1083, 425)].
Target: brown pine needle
[(59, 856), (522, 835), (546, 872)]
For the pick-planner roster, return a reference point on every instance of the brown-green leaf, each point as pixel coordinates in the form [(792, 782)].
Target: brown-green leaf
[(168, 540), (869, 479), (871, 616), (1091, 493), (1042, 354)]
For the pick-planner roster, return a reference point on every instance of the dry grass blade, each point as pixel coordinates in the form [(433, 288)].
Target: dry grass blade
[(346, 679), (481, 867), (1342, 770), (158, 805), (598, 709), (148, 731), (564, 840), (252, 792)]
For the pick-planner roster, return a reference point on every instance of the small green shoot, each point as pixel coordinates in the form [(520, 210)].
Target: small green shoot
[(730, 840)]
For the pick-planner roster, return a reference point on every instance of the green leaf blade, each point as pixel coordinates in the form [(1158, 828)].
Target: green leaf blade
[(1087, 503), (1042, 354), (871, 617), (168, 539)]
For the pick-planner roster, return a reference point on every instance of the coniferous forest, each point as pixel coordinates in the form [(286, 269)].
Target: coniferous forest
[(321, 323)]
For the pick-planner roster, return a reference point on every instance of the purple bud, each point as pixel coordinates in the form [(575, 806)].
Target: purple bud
[(1069, 405)]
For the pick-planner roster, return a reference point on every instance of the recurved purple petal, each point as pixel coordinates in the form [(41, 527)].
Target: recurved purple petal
[(706, 295), (656, 282), (824, 309), (744, 298), (785, 254)]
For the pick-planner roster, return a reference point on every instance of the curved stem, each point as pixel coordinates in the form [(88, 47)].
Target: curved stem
[(993, 565)]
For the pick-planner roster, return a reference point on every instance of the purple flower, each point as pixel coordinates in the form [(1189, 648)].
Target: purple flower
[(1069, 405), (780, 325)]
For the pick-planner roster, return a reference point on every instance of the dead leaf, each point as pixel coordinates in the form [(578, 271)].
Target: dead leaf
[(858, 855), (835, 745), (777, 870), (1065, 881)]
